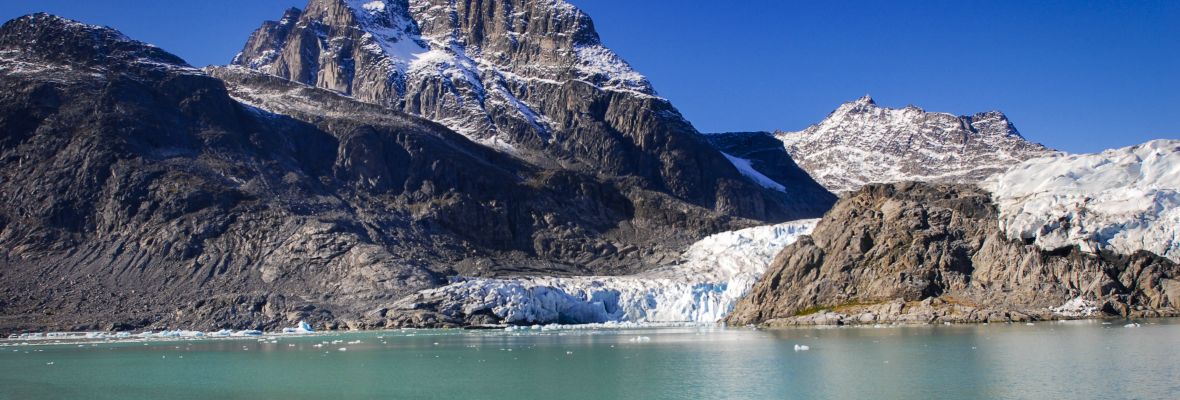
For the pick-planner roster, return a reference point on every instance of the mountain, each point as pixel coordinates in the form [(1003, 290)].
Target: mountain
[(862, 143), (142, 192), (529, 77), (927, 253)]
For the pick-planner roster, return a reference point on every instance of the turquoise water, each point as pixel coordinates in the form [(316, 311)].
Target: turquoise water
[(1043, 361)]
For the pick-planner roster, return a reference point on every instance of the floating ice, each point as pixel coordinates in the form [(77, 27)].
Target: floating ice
[(303, 327)]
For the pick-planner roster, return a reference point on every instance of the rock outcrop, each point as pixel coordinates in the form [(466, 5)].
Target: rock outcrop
[(918, 252), (863, 143)]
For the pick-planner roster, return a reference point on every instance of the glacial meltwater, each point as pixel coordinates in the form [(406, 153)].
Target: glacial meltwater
[(1051, 360)]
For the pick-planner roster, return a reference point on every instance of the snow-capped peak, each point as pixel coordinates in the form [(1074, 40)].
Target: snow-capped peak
[(389, 30), (462, 64), (862, 143)]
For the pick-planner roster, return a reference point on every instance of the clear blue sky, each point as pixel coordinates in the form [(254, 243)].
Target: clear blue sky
[(1075, 75)]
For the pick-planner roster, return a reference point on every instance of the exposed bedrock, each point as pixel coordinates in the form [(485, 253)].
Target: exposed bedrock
[(918, 252)]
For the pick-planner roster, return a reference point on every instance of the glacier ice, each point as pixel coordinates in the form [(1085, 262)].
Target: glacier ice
[(303, 327), (1076, 308), (714, 274), (1123, 200)]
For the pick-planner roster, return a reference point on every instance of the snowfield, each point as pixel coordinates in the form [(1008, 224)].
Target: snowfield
[(715, 273), (1123, 200)]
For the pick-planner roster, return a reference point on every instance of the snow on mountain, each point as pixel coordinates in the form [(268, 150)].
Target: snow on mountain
[(528, 77), (1122, 200), (715, 273), (746, 168), (862, 143), (421, 56)]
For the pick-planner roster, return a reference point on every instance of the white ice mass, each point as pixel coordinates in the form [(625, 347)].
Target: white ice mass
[(714, 274), (1123, 200)]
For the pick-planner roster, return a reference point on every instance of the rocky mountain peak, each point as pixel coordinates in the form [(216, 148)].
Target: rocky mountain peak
[(52, 38), (865, 104), (862, 142), (530, 78), (455, 62)]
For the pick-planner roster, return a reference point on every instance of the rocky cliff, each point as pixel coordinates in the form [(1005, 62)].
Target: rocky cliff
[(862, 143), (530, 77), (917, 252)]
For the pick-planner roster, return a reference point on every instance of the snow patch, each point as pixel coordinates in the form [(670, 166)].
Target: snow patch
[(1076, 308), (746, 168), (606, 69)]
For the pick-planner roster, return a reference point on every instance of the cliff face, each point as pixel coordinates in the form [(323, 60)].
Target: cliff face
[(916, 252), (529, 77)]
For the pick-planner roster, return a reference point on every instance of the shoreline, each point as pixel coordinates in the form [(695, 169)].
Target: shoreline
[(73, 338)]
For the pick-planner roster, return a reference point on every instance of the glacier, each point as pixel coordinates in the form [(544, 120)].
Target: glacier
[(1121, 200), (713, 275)]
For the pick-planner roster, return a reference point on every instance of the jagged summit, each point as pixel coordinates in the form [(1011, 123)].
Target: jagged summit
[(455, 62), (530, 78), (861, 142), (46, 37)]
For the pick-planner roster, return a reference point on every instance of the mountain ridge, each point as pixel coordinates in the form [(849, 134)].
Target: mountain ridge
[(861, 142), (530, 78)]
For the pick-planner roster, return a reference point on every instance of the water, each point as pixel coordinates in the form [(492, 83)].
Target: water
[(1044, 361)]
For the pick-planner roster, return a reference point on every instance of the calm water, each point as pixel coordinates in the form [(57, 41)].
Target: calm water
[(1043, 361)]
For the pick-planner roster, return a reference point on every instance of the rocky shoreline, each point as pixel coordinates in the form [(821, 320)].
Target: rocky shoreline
[(932, 311)]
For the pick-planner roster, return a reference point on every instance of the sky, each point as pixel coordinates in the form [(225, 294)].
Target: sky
[(1076, 75)]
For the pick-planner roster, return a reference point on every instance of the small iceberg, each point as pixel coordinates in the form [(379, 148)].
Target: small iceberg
[(303, 327)]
